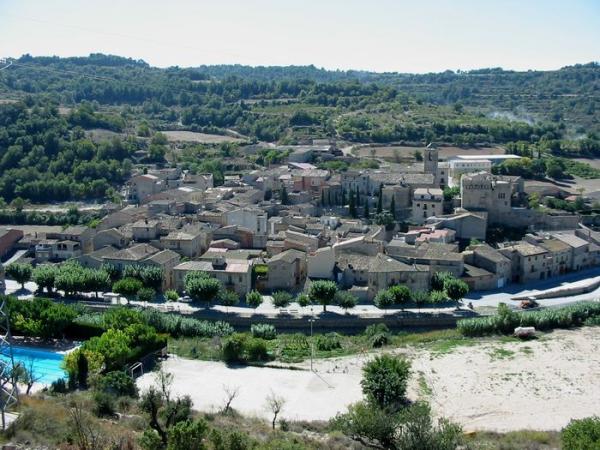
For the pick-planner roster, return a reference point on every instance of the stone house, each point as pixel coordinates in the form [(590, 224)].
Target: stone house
[(287, 270), (379, 272), (112, 237), (8, 238), (427, 202), (235, 274)]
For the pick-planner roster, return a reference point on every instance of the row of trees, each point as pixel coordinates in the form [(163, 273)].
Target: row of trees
[(70, 277)]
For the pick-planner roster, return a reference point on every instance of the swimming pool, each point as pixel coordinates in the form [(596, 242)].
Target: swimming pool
[(46, 363)]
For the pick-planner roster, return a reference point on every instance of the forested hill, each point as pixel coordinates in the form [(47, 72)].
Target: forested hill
[(49, 107)]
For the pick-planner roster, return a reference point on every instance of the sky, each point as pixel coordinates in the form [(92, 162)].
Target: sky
[(377, 35)]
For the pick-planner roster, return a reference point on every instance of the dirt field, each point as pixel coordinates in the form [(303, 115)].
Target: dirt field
[(445, 152), (201, 138), (495, 385)]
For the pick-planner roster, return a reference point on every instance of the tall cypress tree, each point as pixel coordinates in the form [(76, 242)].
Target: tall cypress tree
[(352, 205), (357, 196), (322, 198), (367, 208), (284, 196), (343, 197), (393, 207), (380, 199)]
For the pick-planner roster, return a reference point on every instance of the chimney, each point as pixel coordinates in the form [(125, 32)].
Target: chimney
[(219, 263)]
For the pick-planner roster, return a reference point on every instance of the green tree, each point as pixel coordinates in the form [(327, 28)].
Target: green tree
[(438, 279), (384, 299), (533, 200), (20, 272), (455, 289), (82, 370), (380, 199), (44, 276), (385, 379), (254, 299), (322, 292), (366, 208), (401, 294), (128, 288), (55, 319), (96, 281), (393, 207), (581, 434), (284, 196), (201, 287), (352, 205)]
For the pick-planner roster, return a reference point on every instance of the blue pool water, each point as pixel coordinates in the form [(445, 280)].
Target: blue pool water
[(46, 363)]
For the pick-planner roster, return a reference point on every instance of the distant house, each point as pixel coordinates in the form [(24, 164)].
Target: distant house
[(145, 230), (235, 275), (8, 238), (142, 187), (185, 243), (78, 233), (287, 270), (379, 272), (145, 255), (112, 237)]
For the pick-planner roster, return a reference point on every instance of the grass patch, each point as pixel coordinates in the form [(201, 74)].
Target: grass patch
[(424, 388), (501, 353), (524, 439)]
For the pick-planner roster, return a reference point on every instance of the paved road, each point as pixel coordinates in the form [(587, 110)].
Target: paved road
[(478, 298)]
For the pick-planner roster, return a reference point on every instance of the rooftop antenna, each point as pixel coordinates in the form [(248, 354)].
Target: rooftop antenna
[(8, 388)]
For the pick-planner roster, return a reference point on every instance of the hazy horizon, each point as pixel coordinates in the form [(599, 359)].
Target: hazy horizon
[(379, 36)]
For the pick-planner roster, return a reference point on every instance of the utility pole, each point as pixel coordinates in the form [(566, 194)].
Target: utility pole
[(312, 346)]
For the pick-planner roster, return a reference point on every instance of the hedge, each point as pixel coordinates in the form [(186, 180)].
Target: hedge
[(506, 320)]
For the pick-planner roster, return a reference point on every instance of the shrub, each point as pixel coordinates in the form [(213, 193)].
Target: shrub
[(229, 298), (233, 348), (380, 340), (401, 294), (104, 404), (59, 386), (420, 298), (263, 331), (345, 299), (328, 342), (255, 350), (146, 295), (281, 299), (117, 383), (376, 328), (254, 299), (437, 297), (171, 295), (384, 299), (505, 320), (582, 434), (303, 300)]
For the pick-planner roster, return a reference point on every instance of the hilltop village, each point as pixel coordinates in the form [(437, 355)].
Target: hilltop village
[(281, 226)]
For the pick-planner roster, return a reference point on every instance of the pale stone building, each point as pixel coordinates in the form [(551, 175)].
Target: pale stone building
[(427, 202)]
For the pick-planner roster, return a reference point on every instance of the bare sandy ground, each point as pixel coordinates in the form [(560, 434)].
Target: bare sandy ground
[(501, 386), (203, 138)]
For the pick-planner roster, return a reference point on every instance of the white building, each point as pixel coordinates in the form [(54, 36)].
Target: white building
[(427, 202)]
